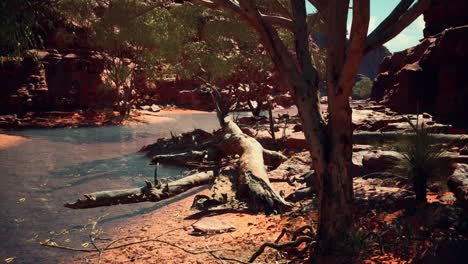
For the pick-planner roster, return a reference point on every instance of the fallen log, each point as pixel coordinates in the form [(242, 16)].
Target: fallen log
[(253, 184), (367, 138), (180, 158), (249, 183), (146, 193)]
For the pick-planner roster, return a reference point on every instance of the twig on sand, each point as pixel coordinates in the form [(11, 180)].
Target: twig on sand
[(94, 235)]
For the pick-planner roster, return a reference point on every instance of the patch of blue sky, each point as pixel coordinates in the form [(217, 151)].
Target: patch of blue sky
[(380, 9)]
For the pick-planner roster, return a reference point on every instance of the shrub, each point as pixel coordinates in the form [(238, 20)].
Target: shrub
[(362, 89)]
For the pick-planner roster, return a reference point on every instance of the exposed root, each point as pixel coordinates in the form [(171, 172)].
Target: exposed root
[(299, 236)]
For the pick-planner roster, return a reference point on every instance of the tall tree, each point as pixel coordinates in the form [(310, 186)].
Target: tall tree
[(330, 142)]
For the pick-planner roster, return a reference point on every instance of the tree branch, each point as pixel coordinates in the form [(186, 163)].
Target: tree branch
[(403, 15), (221, 3), (301, 33), (279, 21), (321, 5), (355, 51), (281, 9), (337, 15)]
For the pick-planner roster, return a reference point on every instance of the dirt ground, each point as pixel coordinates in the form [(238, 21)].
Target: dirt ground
[(172, 223)]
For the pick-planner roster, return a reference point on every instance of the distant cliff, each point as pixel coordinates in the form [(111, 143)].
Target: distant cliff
[(369, 63)]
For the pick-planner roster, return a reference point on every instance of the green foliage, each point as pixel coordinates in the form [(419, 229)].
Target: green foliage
[(184, 41), (362, 89), (18, 25)]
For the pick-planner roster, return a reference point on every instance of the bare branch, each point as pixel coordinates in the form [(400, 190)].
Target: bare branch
[(280, 21), (221, 3), (393, 16), (283, 22), (355, 51), (398, 20), (321, 5), (300, 240), (301, 34), (281, 9)]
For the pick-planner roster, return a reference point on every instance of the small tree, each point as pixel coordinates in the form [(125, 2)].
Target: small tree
[(362, 89)]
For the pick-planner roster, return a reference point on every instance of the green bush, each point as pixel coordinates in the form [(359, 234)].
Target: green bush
[(362, 89)]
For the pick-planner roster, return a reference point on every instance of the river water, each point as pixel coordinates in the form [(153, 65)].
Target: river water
[(56, 166)]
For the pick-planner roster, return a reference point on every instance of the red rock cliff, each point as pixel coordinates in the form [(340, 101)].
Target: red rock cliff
[(432, 76)]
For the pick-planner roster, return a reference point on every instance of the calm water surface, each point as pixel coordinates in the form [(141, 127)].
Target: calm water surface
[(56, 166)]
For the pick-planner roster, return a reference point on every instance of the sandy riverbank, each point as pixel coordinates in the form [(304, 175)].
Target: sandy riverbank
[(58, 119), (8, 141)]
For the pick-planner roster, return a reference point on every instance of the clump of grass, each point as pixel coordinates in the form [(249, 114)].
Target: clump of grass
[(422, 158)]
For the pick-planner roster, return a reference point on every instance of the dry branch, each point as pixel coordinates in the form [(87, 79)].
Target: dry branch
[(180, 158)]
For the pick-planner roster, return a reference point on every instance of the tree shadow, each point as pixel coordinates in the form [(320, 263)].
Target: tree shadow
[(214, 212)]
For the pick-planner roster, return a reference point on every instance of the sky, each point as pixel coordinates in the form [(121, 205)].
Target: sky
[(380, 9)]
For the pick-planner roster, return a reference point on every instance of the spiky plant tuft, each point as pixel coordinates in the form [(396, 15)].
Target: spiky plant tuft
[(422, 158)]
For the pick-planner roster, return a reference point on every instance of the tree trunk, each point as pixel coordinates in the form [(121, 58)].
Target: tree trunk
[(420, 185), (336, 191)]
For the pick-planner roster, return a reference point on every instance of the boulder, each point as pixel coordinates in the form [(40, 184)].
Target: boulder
[(458, 184), (155, 108), (380, 160), (295, 141), (211, 226)]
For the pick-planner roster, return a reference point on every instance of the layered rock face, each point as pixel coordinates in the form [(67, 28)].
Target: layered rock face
[(181, 92), (445, 14), (52, 80), (432, 76)]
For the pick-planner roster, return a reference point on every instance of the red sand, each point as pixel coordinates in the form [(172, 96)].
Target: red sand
[(251, 231)]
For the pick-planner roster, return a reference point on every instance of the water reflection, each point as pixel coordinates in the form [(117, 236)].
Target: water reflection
[(132, 167)]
